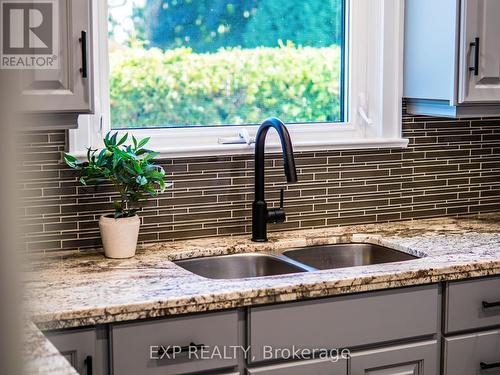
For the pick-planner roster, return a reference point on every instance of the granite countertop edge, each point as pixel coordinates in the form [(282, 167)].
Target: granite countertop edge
[(451, 249), (419, 237), (140, 311)]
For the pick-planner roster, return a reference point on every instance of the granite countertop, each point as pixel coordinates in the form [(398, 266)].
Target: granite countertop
[(80, 289), (43, 357)]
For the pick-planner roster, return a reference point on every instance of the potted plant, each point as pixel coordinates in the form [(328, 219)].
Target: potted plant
[(130, 169)]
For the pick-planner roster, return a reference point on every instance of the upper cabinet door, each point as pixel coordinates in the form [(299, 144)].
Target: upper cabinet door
[(66, 88), (480, 52)]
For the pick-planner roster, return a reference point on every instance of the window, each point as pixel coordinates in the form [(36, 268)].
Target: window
[(176, 63), (194, 73)]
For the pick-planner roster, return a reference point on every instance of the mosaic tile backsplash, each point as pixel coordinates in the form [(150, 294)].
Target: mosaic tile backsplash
[(450, 167)]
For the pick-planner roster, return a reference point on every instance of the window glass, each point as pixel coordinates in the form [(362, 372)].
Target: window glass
[(177, 63)]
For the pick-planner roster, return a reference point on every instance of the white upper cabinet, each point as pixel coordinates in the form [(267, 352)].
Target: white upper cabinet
[(67, 88), (452, 57), (51, 43), (480, 55)]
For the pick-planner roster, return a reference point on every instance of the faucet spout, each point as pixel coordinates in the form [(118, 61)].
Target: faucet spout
[(286, 145), (260, 214)]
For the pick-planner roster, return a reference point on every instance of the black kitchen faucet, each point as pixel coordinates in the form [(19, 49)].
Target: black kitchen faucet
[(261, 215)]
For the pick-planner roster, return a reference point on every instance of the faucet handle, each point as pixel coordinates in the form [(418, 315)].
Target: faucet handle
[(277, 215)]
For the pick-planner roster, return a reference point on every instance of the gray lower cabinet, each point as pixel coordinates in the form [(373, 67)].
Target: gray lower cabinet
[(85, 349), (398, 327), (409, 359), (476, 353), (344, 322), (472, 304), (213, 343), (309, 367), (181, 345)]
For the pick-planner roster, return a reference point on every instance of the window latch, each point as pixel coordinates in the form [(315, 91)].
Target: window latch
[(362, 110), (364, 116), (242, 138), (97, 124)]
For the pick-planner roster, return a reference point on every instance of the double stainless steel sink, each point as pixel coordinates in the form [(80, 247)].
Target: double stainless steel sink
[(305, 259)]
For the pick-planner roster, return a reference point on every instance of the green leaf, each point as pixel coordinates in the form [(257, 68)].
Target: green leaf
[(134, 141), (122, 139), (106, 139), (137, 167), (112, 140), (151, 156), (141, 180), (123, 154), (82, 181), (70, 158), (101, 160), (162, 185), (143, 142), (156, 175), (116, 160)]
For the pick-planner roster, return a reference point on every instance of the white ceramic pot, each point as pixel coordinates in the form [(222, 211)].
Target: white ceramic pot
[(119, 236)]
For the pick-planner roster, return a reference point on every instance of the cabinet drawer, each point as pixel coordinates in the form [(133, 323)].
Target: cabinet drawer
[(344, 322), (136, 346), (464, 354), (464, 304), (409, 359), (311, 367)]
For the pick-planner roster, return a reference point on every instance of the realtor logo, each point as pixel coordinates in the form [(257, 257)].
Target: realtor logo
[(29, 37)]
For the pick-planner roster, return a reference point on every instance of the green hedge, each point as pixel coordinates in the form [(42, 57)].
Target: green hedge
[(232, 86)]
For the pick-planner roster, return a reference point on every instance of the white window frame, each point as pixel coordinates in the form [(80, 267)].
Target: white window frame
[(374, 82)]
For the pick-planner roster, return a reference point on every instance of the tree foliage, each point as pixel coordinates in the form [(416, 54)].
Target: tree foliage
[(207, 25), (315, 23), (204, 26), (231, 86)]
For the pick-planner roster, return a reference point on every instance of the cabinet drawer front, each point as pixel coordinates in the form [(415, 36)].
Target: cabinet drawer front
[(136, 346), (464, 304), (343, 322), (409, 359), (310, 367), (463, 354)]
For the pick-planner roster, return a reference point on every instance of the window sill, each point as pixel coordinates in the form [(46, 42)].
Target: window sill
[(244, 149)]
